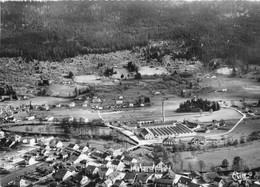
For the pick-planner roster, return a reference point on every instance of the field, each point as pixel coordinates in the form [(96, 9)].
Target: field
[(250, 153)]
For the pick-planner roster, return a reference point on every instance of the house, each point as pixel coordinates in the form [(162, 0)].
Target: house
[(91, 170), (169, 141), (17, 138), (119, 157), (32, 161), (129, 160), (83, 149), (119, 183), (146, 134), (58, 175), (119, 102), (51, 118), (184, 182), (218, 182), (80, 179), (117, 165), (30, 118), (71, 105), (97, 155), (192, 184), (73, 147), (163, 183), (144, 178), (112, 177), (2, 134), (103, 172), (198, 140), (160, 167), (147, 167), (135, 167), (209, 177), (24, 182), (129, 177), (59, 144)]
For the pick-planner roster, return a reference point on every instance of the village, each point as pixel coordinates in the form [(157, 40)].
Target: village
[(46, 160)]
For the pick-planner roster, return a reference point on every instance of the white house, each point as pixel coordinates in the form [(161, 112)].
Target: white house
[(147, 167), (30, 118), (85, 180), (32, 161), (135, 167), (59, 144), (160, 167), (24, 183), (17, 138), (32, 141), (68, 174), (51, 118), (117, 165), (73, 104), (2, 134)]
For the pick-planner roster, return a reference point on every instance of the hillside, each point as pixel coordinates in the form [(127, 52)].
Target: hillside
[(58, 30)]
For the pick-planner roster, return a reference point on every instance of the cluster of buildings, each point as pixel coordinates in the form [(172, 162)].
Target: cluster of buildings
[(79, 165), (164, 130)]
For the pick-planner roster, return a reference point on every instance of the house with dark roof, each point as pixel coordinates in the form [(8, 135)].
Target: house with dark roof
[(73, 147), (129, 160), (119, 183), (169, 141), (117, 165), (144, 178), (184, 182), (80, 179), (146, 134), (147, 167), (91, 170), (59, 175), (218, 181), (129, 177), (209, 177), (163, 183), (198, 140), (103, 172)]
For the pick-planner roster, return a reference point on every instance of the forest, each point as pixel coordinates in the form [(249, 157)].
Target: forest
[(57, 30)]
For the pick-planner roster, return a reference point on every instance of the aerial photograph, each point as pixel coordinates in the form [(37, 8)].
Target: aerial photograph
[(138, 93)]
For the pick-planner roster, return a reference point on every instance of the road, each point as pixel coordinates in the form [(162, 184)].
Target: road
[(10, 177)]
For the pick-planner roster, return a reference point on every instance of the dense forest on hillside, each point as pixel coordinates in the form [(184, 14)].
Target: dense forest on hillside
[(57, 30)]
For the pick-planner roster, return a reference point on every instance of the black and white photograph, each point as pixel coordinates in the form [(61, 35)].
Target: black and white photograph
[(130, 93)]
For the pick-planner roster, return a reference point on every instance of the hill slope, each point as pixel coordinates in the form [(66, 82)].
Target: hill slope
[(57, 30)]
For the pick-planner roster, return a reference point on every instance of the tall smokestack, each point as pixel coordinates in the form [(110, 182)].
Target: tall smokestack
[(163, 111)]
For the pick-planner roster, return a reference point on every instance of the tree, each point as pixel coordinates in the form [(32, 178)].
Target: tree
[(237, 163), (138, 76), (225, 163), (201, 165), (70, 75), (190, 166), (181, 165)]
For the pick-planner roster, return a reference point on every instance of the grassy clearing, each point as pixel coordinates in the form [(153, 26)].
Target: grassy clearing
[(249, 152)]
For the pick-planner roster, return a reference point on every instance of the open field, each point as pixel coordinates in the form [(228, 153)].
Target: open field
[(250, 153), (36, 101), (170, 105), (245, 128), (237, 87)]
